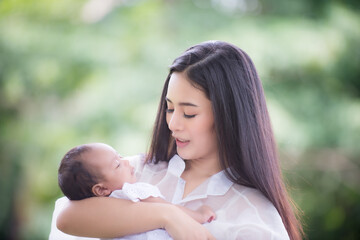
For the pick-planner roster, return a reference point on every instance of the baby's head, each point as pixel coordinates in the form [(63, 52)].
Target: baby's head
[(94, 169)]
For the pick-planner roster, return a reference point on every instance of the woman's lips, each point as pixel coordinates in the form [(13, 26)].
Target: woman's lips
[(181, 143)]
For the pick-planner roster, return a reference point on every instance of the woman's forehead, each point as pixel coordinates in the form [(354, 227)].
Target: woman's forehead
[(181, 89)]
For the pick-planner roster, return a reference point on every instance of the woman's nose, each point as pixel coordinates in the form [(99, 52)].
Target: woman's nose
[(174, 122)]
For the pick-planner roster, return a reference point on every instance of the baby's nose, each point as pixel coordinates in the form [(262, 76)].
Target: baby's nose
[(126, 162)]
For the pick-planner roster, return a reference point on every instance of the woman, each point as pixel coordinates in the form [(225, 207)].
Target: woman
[(212, 144)]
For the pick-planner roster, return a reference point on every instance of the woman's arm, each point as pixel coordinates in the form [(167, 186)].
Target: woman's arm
[(202, 215), (105, 217), (108, 217)]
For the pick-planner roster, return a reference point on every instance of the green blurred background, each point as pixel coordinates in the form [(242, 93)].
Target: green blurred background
[(73, 72)]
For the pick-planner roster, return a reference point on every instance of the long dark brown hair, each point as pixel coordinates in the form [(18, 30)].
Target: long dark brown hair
[(247, 150)]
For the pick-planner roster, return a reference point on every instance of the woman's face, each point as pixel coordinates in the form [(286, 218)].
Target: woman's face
[(190, 118)]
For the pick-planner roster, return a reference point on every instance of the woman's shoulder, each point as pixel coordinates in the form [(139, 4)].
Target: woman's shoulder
[(252, 195), (255, 210), (256, 201)]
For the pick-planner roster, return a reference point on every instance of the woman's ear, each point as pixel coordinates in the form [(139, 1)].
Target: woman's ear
[(100, 190)]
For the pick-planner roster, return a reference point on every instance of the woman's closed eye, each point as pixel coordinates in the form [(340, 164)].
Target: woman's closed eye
[(189, 116), (185, 115)]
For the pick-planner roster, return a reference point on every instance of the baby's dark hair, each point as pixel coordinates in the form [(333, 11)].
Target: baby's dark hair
[(74, 178)]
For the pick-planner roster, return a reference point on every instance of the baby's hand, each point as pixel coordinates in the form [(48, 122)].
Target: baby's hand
[(206, 213)]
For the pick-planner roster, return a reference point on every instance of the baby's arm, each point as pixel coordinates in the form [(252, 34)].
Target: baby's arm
[(202, 215)]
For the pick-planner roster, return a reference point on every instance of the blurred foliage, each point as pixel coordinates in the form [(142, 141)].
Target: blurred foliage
[(85, 71)]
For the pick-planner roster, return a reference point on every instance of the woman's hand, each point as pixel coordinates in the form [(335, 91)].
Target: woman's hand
[(182, 227), (206, 214)]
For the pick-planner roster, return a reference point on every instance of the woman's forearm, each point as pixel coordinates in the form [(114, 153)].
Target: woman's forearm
[(201, 215), (105, 217)]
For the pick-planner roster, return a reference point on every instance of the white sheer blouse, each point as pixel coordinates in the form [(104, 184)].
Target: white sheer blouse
[(241, 212)]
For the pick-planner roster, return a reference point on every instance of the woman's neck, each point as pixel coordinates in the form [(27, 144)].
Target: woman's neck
[(202, 168), (197, 171)]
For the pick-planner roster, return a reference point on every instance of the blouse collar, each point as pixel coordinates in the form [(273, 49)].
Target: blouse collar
[(217, 184)]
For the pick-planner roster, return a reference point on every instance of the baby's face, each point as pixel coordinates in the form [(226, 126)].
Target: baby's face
[(111, 166)]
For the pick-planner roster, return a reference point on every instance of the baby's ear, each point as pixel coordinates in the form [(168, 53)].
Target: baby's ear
[(100, 190)]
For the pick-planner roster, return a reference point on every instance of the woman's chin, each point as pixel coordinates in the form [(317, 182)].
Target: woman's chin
[(184, 155)]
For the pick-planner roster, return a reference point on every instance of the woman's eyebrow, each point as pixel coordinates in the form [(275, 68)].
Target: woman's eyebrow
[(182, 103)]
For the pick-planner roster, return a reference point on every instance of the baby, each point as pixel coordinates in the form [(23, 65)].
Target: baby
[(96, 169)]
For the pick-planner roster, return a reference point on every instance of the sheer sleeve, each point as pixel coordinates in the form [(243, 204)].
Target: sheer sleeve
[(264, 221), (55, 233), (247, 214)]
